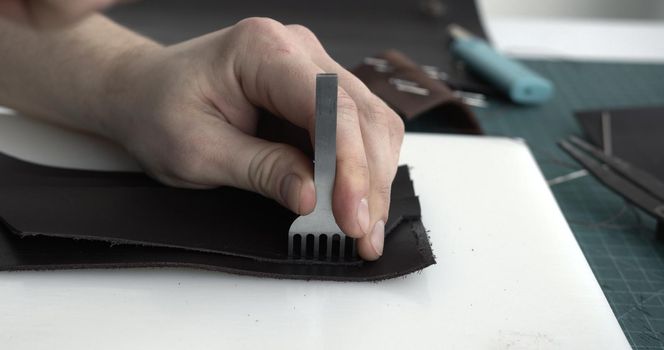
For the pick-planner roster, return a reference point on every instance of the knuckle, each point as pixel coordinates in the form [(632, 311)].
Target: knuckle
[(383, 189), (269, 38), (282, 49), (356, 166), (398, 126), (263, 167), (260, 26), (303, 33), (346, 106), (378, 114), (383, 192)]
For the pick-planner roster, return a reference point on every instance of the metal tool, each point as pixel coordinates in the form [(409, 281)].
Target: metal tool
[(636, 185), (317, 236)]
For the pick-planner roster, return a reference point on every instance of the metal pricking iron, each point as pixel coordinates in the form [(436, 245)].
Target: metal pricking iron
[(317, 236)]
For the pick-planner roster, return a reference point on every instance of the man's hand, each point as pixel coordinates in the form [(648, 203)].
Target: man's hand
[(189, 112)]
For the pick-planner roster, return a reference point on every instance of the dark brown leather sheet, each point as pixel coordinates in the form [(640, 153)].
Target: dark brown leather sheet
[(348, 29), (62, 219)]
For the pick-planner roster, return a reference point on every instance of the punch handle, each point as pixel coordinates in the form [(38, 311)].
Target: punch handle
[(325, 150)]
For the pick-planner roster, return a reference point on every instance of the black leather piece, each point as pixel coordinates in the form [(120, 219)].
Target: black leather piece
[(58, 218), (348, 29)]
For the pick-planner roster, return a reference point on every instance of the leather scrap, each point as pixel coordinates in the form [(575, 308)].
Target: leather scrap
[(67, 219), (446, 111)]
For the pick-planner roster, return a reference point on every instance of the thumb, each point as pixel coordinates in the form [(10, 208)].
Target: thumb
[(275, 170)]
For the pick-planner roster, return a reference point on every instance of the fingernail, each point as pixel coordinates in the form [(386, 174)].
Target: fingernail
[(378, 237), (290, 192), (363, 215)]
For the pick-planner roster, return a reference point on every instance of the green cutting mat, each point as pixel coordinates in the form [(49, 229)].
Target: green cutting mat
[(617, 239)]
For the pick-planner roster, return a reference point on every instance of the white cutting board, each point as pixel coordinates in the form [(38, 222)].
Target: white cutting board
[(509, 275)]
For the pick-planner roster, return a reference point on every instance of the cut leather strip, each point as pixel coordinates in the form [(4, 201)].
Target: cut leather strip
[(58, 218), (437, 107)]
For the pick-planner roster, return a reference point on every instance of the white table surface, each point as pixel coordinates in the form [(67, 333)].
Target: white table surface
[(577, 39), (509, 273)]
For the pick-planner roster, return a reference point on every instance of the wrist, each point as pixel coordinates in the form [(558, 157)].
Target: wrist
[(119, 99)]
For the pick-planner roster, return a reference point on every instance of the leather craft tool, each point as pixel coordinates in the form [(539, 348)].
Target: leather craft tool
[(521, 84), (317, 236), (636, 185)]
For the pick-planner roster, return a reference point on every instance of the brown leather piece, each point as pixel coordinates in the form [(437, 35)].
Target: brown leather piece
[(61, 219), (439, 101)]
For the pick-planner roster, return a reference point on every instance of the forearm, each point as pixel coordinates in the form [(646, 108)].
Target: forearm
[(65, 76)]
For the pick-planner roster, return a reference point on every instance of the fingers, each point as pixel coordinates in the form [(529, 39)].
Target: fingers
[(275, 170), (276, 69), (222, 155), (382, 134), (351, 189), (278, 74)]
